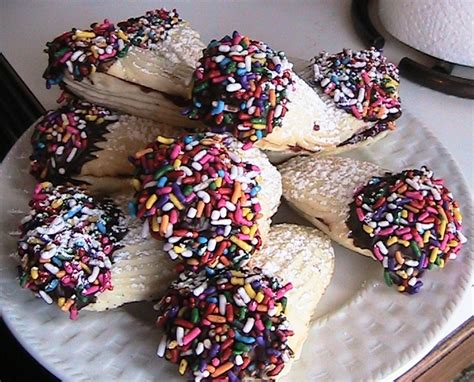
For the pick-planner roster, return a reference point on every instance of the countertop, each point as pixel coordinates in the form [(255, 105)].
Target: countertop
[(300, 28)]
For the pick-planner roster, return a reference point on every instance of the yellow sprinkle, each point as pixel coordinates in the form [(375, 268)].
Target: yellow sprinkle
[(67, 305), (242, 244), (34, 273), (392, 240), (136, 184), (164, 140), (245, 211), (367, 228), (434, 254), (404, 214), (453, 243), (441, 263), (248, 288), (90, 117), (253, 138), (46, 185), (83, 35), (279, 308), (218, 182), (93, 69), (253, 230), (401, 288), (172, 345), (259, 126), (426, 236), (85, 267), (177, 164), (249, 216), (404, 242), (442, 213), (61, 301), (95, 52), (442, 228), (399, 257), (236, 273), (176, 202), (458, 215), (183, 365), (402, 274), (122, 35), (259, 297), (245, 230), (151, 201), (412, 209), (154, 225), (61, 274), (237, 281), (178, 249), (57, 203)]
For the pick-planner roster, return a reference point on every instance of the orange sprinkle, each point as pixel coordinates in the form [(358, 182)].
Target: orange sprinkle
[(272, 97), (222, 369), (200, 208), (165, 219), (216, 319), (237, 193)]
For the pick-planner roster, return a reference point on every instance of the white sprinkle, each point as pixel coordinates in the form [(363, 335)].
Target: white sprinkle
[(222, 222), (161, 347), (199, 155), (198, 291), (278, 111), (199, 348), (186, 170), (60, 150), (230, 206), (204, 196), (435, 194), (248, 63), (71, 154), (249, 325), (233, 87), (172, 254), (412, 184), (412, 263), (192, 213), (168, 207), (242, 293), (412, 281), (382, 247), (179, 335), (187, 254), (211, 245), (197, 166), (51, 268), (227, 230), (45, 297), (223, 212), (94, 274), (238, 360), (224, 48), (215, 215), (222, 303)]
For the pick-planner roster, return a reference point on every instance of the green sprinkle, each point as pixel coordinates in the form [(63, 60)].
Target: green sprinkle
[(387, 278), (194, 315), (415, 249), (242, 312), (201, 87), (162, 171)]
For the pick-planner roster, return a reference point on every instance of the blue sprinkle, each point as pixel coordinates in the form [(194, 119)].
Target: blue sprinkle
[(73, 211), (241, 71), (221, 173), (224, 62), (101, 226), (243, 106), (210, 271), (132, 209), (197, 104), (212, 300), (255, 190), (244, 339), (56, 261), (188, 139), (53, 284), (334, 79), (162, 181), (202, 240), (219, 108)]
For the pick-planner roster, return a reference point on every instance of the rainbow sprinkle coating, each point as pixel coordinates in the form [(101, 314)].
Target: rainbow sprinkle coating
[(83, 52), (240, 86), (227, 326), (66, 246), (64, 139), (197, 194), (363, 83), (410, 222)]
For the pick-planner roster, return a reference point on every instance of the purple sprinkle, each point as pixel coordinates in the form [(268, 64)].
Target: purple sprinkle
[(162, 201)]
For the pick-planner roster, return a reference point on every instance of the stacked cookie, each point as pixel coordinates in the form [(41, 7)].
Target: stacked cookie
[(157, 183)]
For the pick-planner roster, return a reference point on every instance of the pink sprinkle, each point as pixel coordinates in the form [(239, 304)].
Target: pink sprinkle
[(386, 231), (377, 253), (163, 190), (402, 231), (408, 236), (410, 217), (173, 216), (247, 146), (175, 151), (73, 313), (257, 207), (259, 325), (191, 336), (93, 289), (432, 210), (206, 322), (107, 55), (414, 195), (423, 216), (252, 306), (444, 243), (360, 214), (66, 57), (199, 74), (365, 77), (355, 111), (242, 236)]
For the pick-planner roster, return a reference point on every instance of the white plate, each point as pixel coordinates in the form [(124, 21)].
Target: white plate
[(362, 330)]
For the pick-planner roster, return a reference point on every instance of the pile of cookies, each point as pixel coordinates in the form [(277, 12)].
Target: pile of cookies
[(158, 181)]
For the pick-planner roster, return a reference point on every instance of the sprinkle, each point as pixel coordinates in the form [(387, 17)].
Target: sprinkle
[(362, 83), (251, 75), (60, 238), (418, 228), (218, 344), (193, 205)]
